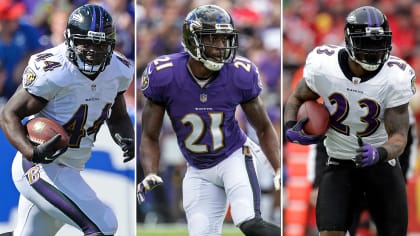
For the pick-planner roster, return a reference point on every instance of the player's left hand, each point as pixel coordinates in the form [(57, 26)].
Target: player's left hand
[(46, 153), (296, 134), (148, 183), (277, 180), (367, 154), (127, 146)]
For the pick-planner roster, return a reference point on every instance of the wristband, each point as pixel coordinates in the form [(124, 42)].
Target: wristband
[(290, 124), (383, 154)]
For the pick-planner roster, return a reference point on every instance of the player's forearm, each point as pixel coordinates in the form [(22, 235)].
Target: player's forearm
[(290, 110), (123, 126), (149, 156), (270, 145), (395, 145), (396, 121), (15, 133)]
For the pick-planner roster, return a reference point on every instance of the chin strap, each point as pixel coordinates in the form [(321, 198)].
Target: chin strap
[(210, 65), (367, 66), (89, 69)]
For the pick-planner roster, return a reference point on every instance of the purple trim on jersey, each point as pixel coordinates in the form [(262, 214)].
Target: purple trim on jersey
[(255, 187), (63, 203)]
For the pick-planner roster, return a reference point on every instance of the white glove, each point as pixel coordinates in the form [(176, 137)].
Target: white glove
[(277, 180), (149, 182)]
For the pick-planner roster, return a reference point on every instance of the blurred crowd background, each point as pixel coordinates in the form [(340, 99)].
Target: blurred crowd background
[(159, 31), (28, 26), (307, 24)]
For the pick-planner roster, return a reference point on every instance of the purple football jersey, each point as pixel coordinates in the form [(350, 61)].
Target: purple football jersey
[(203, 118)]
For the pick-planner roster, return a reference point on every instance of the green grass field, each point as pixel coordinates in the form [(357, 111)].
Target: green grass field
[(179, 230)]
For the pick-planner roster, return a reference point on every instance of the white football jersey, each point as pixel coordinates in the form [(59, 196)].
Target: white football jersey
[(79, 104), (356, 108)]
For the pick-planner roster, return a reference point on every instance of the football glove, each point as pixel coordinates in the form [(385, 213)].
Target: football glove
[(367, 154), (277, 180), (127, 146), (296, 134), (46, 153), (149, 182)]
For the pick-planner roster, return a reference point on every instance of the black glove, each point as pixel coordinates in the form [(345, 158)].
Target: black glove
[(127, 146), (46, 152)]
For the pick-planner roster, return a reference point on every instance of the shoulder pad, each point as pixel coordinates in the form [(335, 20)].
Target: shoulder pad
[(45, 65), (245, 74)]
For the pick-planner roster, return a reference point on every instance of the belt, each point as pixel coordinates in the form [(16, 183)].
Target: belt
[(340, 162)]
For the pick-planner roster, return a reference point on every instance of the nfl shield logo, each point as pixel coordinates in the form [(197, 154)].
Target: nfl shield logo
[(203, 97)]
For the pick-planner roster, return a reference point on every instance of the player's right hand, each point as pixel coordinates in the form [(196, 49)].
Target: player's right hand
[(297, 135), (46, 152), (149, 182), (367, 154)]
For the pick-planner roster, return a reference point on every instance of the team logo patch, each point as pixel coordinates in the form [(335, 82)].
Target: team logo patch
[(203, 97), (33, 174), (77, 17), (144, 81), (29, 77)]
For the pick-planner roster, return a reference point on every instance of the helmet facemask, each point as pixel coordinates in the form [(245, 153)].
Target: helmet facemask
[(207, 40), (92, 53), (370, 49)]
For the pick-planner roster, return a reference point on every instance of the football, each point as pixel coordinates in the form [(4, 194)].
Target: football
[(41, 129), (318, 117)]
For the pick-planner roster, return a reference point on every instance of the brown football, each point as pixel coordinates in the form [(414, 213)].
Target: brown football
[(318, 117), (41, 129)]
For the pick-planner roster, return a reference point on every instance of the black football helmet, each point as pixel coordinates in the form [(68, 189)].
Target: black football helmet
[(210, 22), (368, 37), (90, 38)]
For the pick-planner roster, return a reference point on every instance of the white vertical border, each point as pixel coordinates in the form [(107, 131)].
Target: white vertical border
[(281, 119), (134, 198)]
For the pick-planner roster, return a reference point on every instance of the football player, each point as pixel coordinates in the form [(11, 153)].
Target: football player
[(80, 84), (200, 90), (366, 92)]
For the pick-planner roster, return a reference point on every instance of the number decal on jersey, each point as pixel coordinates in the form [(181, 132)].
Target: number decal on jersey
[(198, 125), (165, 61), (49, 65), (42, 56), (330, 50), (75, 126), (242, 63), (123, 59), (342, 111), (371, 118), (400, 64)]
